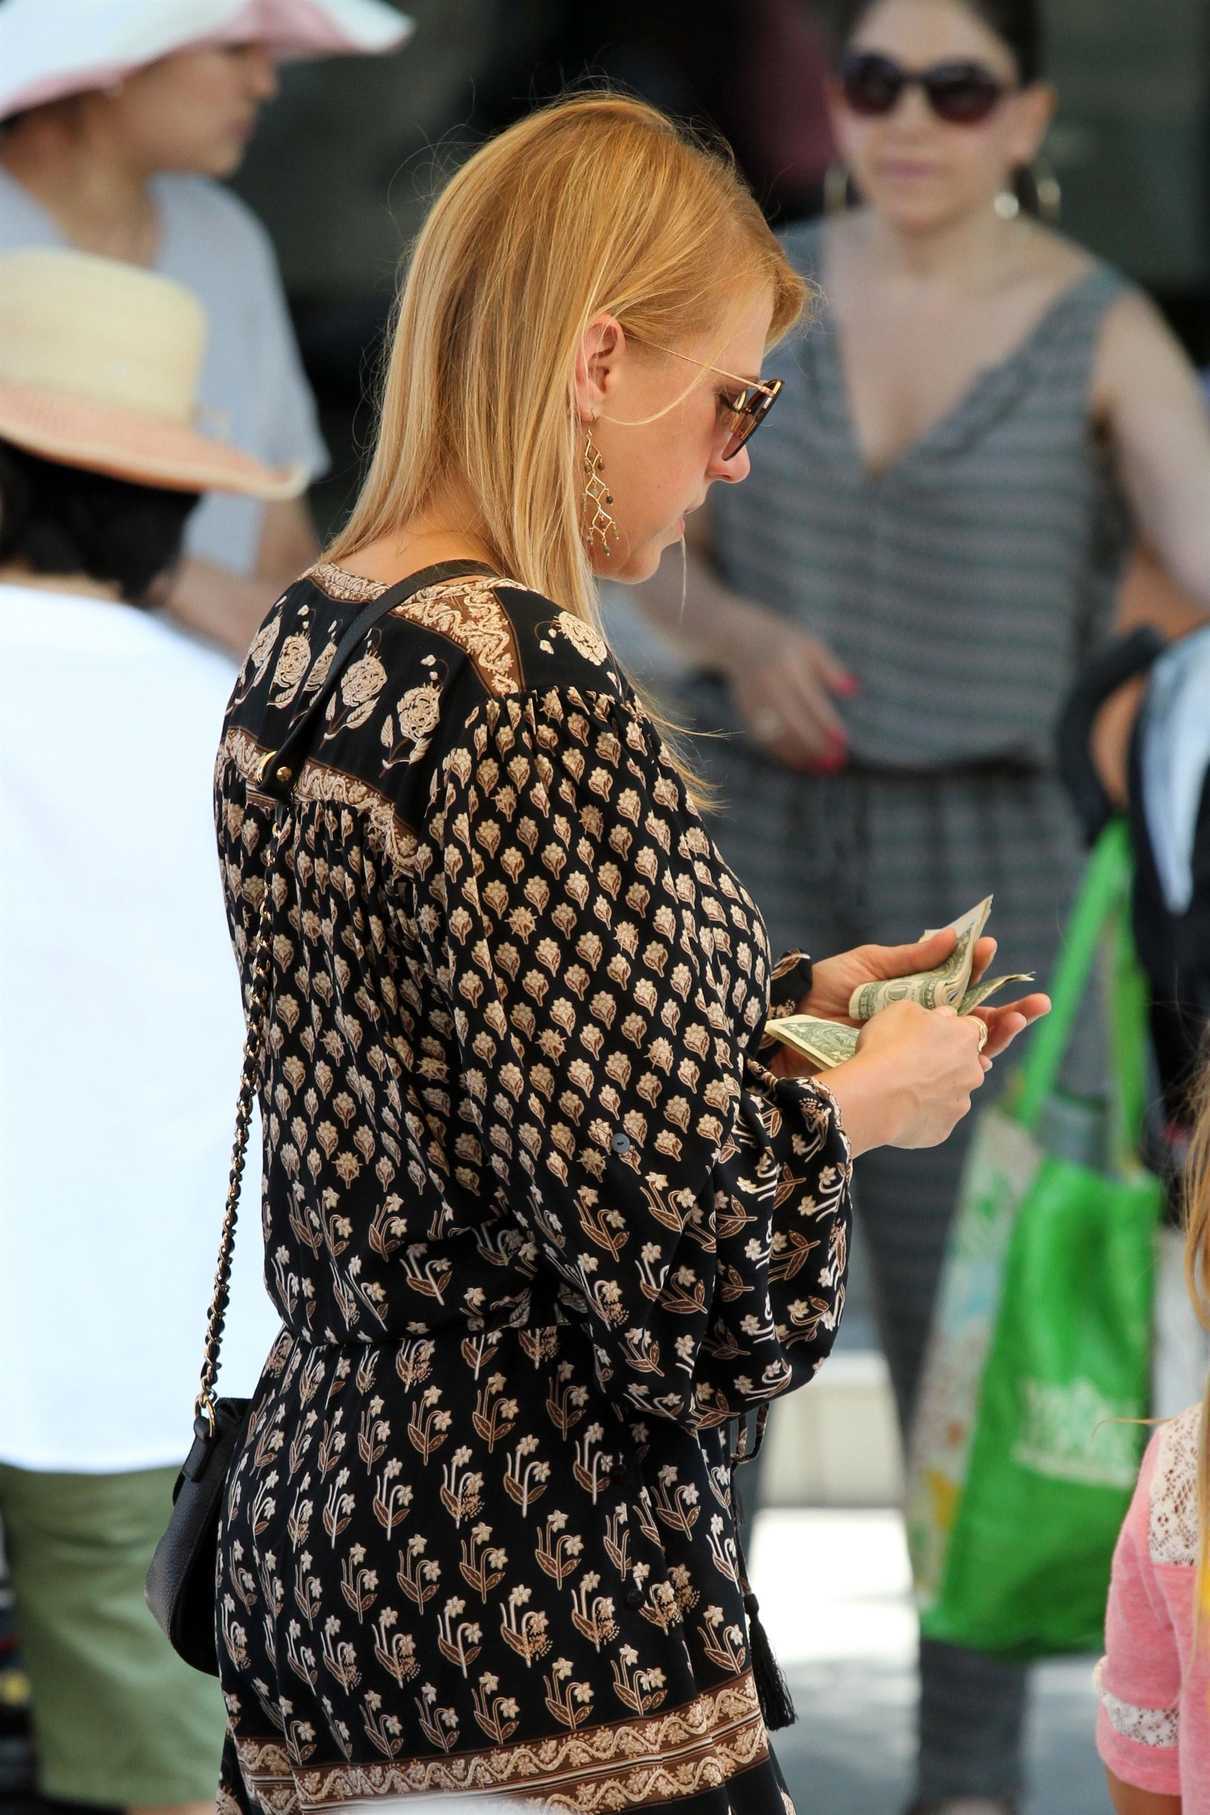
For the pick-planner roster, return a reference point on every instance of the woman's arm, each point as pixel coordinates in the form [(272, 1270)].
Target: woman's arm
[(781, 678), (691, 1212), (1149, 398), (1128, 1800), (1147, 596), (227, 608)]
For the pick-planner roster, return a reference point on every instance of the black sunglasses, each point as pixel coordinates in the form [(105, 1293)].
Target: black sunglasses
[(961, 94)]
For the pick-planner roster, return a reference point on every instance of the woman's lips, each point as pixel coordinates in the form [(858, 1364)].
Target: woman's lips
[(903, 170)]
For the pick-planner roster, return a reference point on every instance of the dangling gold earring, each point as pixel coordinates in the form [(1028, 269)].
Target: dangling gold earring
[(600, 525)]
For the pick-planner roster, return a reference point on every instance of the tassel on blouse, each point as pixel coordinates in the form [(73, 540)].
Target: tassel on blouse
[(774, 1696), (776, 1707)]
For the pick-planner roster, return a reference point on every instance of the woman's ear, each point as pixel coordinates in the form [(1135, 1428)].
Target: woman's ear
[(599, 358), (1035, 107)]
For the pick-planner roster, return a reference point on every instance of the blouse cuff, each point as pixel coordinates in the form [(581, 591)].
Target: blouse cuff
[(805, 1090), (790, 982)]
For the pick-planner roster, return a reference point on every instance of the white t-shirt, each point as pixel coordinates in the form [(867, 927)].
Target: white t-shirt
[(253, 391), (121, 1040)]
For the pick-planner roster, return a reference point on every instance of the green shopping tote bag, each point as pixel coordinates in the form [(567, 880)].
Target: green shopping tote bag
[(1023, 1456)]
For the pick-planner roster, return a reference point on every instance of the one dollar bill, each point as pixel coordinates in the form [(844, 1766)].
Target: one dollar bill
[(944, 987), (978, 993), (827, 1042)]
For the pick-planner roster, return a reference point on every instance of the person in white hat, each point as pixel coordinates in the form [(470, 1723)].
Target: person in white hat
[(122, 1020), (115, 121)]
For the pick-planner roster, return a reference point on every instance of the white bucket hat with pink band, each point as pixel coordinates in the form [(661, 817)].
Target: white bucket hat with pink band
[(53, 48), (99, 367)]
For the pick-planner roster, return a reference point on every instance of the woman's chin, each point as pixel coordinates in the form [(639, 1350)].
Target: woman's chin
[(637, 565)]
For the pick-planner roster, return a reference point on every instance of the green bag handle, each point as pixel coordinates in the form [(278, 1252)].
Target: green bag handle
[(1102, 901)]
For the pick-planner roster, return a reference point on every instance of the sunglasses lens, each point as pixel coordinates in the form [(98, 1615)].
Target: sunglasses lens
[(871, 85), (962, 95), (746, 422)]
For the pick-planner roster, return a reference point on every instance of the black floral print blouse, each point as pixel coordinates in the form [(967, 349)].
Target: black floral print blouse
[(539, 1223)]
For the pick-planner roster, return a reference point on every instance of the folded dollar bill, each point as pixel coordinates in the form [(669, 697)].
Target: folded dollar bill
[(827, 1042), (941, 988)]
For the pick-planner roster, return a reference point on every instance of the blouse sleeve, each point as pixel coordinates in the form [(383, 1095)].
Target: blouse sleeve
[(1139, 1678), (607, 988)]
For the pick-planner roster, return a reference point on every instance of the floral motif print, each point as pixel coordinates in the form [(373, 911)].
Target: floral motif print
[(259, 656), (581, 636), (540, 1227), (357, 690), (407, 733)]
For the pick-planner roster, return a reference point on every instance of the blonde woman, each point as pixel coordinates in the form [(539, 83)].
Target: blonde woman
[(1153, 1730), (541, 1219)]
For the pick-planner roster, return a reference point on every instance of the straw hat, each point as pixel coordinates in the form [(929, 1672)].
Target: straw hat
[(99, 365), (52, 48)]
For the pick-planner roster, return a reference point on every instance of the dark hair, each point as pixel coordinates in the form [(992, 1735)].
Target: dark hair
[(64, 520), (1017, 22)]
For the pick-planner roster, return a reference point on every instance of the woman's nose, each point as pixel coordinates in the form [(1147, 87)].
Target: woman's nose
[(912, 108), (733, 470)]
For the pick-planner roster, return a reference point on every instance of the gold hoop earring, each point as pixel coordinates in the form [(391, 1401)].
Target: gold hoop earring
[(839, 189), (600, 524)]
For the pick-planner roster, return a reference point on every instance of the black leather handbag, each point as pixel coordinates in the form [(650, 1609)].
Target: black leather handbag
[(181, 1581)]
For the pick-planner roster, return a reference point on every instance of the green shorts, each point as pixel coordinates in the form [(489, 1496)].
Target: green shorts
[(118, 1718)]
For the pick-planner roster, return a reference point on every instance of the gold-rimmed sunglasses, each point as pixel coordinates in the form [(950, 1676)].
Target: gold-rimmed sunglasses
[(745, 411)]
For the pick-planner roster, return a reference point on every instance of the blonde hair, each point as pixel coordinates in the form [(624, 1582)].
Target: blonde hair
[(1197, 1279), (597, 202)]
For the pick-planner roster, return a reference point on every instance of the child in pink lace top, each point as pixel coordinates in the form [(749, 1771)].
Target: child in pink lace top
[(1153, 1725)]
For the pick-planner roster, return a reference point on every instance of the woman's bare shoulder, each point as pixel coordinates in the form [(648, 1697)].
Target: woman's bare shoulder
[(1052, 260)]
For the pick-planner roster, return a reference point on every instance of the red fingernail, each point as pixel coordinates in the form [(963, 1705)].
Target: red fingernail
[(849, 685)]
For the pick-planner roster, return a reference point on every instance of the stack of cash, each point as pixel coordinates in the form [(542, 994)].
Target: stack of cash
[(831, 1043)]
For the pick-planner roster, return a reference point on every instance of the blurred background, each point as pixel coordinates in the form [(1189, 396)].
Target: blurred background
[(348, 157), (341, 172)]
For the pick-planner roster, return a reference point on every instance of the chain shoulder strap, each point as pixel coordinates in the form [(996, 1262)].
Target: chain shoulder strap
[(278, 770), (205, 1415)]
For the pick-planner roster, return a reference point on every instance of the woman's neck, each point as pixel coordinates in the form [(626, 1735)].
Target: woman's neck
[(87, 181), (445, 530), (970, 252)]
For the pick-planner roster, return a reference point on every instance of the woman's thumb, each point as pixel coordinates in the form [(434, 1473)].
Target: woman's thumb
[(925, 952)]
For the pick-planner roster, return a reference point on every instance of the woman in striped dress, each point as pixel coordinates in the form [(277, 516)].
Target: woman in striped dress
[(899, 601)]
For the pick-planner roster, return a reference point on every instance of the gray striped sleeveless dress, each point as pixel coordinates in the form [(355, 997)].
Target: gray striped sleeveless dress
[(963, 587)]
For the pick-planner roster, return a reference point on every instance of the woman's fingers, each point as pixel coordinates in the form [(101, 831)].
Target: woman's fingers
[(1004, 1024), (985, 950), (788, 708)]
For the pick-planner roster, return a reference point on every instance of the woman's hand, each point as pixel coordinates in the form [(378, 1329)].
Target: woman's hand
[(783, 682), (912, 1080), (835, 979)]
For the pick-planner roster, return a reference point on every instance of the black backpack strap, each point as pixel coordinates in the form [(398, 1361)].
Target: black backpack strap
[(280, 767)]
